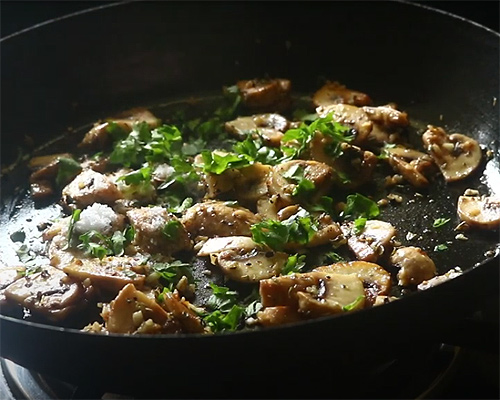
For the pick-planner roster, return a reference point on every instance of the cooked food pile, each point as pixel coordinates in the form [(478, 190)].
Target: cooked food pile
[(265, 210)]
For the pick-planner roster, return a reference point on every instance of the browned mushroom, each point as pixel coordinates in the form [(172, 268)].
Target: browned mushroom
[(270, 94), (336, 93), (457, 155), (480, 211), (99, 137), (269, 127), (415, 266)]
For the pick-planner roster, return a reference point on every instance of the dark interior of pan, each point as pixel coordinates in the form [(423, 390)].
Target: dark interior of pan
[(71, 72)]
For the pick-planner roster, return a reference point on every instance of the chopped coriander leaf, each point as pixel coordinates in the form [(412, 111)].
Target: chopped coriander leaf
[(172, 229), (116, 131), (295, 263), (183, 206), (299, 228), (299, 139), (304, 115), (75, 216), (304, 186), (184, 173), (98, 245), (441, 247), (219, 321), (171, 273), (252, 309), (325, 204), (30, 270), (384, 154), (217, 163), (166, 141), (160, 298), (131, 151), (67, 170), (232, 101), (358, 205), (359, 224), (439, 222), (24, 254), (120, 240), (222, 298), (95, 244), (354, 304), (332, 256), (193, 147), (302, 136), (271, 233), (137, 177), (254, 149)]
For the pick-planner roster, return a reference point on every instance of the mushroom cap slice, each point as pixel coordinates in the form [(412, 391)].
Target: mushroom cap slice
[(376, 280), (479, 211), (456, 155), (253, 266), (216, 218), (243, 260), (336, 93), (218, 244), (269, 127), (373, 242), (318, 173), (336, 293), (50, 293), (314, 293), (259, 94), (415, 265), (110, 273)]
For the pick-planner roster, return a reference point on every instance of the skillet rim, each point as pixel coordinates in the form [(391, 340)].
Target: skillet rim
[(322, 320)]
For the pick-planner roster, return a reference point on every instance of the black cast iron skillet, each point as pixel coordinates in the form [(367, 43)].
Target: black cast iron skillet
[(441, 69)]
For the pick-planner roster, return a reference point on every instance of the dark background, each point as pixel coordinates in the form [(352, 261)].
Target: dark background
[(20, 14)]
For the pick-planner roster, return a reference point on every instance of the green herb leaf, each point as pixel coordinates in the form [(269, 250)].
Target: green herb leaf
[(137, 177), (172, 229), (220, 322), (439, 222), (95, 244), (217, 163), (295, 263), (304, 186), (325, 204), (333, 257), (299, 228), (67, 170), (296, 141), (75, 217), (354, 304), (441, 247), (255, 150), (359, 225), (358, 205), (222, 299), (271, 233), (180, 208), (130, 151), (166, 141), (171, 273), (252, 309), (304, 115)]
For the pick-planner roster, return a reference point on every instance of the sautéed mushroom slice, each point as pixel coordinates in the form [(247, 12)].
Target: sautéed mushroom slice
[(259, 210)]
